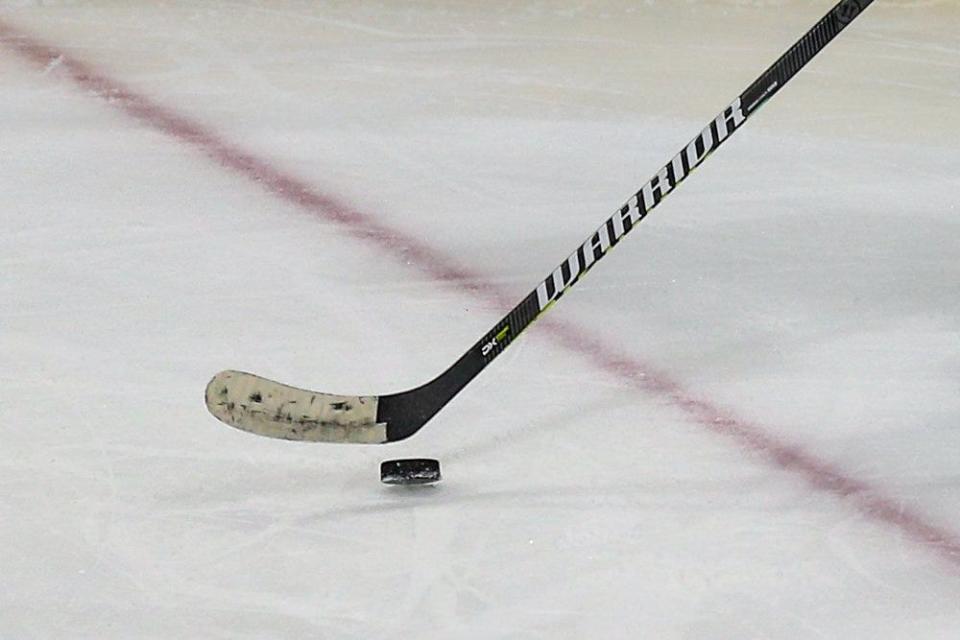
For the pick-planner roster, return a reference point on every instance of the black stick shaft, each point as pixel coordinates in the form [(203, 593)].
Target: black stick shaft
[(406, 412)]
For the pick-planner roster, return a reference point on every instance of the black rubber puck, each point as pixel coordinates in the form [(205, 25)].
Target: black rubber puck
[(410, 471)]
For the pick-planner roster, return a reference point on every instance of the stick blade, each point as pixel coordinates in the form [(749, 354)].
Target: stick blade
[(267, 408)]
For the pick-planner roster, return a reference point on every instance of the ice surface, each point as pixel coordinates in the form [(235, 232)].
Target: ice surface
[(805, 280)]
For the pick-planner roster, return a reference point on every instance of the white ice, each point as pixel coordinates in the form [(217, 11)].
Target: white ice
[(806, 279)]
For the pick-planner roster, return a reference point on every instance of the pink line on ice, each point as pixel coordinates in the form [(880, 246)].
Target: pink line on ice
[(825, 476)]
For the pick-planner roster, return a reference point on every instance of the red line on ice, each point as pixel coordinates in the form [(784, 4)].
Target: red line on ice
[(868, 499)]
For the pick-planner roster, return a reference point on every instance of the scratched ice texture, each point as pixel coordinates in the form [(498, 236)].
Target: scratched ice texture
[(744, 423)]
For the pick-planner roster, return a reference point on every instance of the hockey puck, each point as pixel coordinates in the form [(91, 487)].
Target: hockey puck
[(410, 471)]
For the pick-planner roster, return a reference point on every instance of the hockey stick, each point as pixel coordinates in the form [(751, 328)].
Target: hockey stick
[(268, 408)]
